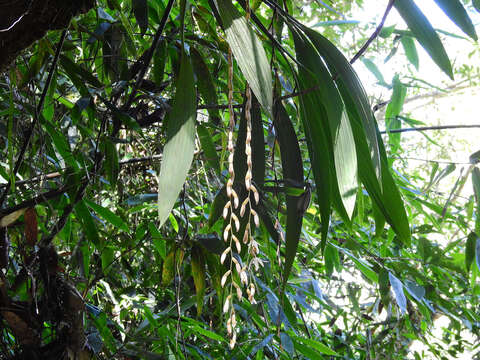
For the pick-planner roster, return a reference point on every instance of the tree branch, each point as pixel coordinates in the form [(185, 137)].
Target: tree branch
[(375, 33), (427, 128)]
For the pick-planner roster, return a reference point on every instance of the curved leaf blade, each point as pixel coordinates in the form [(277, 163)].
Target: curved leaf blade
[(397, 287), (248, 52), (292, 167), (425, 34), (457, 13), (178, 151)]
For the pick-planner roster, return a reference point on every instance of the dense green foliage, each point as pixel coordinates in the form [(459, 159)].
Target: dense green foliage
[(115, 174)]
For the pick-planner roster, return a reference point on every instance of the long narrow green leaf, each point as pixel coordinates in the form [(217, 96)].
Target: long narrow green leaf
[(108, 215), (425, 34), (258, 144), (208, 148), (292, 167), (317, 130), (178, 152), (248, 52), (340, 137), (470, 249), (205, 84), (457, 13), (370, 152), (85, 218), (410, 50), (393, 110), (476, 191), (352, 91)]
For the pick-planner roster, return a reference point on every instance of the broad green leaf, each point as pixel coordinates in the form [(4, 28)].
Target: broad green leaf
[(85, 218), (470, 249), (315, 119), (292, 167), (317, 345), (110, 163), (82, 73), (476, 5), (61, 144), (425, 34), (257, 144), (159, 60), (108, 215), (217, 206), (158, 241), (174, 258), (475, 157), (370, 65), (197, 327), (199, 275), (140, 10), (457, 13), (346, 165), (397, 287), (410, 50), (307, 351), (476, 190), (208, 148), (340, 136), (394, 109), (107, 257), (391, 203), (353, 94), (206, 86), (248, 51), (178, 151), (49, 104)]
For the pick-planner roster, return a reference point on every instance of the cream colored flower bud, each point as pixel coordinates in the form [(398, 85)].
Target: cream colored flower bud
[(224, 277), (237, 244), (237, 222), (224, 254), (225, 209), (256, 195), (243, 207), (226, 306), (233, 341), (235, 199), (229, 327), (246, 234), (226, 232)]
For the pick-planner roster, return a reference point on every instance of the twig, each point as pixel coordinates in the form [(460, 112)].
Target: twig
[(426, 128), (36, 116), (375, 33), (432, 161), (149, 55), (52, 194)]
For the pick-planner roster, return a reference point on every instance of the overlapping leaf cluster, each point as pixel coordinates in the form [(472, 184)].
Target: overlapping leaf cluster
[(118, 197)]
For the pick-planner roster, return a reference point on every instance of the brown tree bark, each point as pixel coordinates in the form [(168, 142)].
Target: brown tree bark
[(22, 22)]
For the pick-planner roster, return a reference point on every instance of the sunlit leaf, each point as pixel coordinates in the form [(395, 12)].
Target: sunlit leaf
[(457, 13), (397, 287), (425, 34), (410, 50), (248, 52)]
